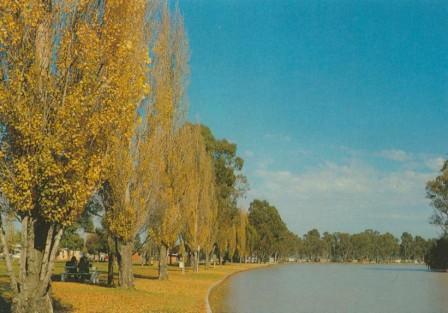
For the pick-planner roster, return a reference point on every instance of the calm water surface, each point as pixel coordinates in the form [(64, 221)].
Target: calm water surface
[(337, 288)]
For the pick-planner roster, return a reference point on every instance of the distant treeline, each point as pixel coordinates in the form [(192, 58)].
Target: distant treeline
[(367, 246)]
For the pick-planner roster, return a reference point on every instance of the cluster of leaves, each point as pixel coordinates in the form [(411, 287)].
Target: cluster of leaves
[(71, 82)]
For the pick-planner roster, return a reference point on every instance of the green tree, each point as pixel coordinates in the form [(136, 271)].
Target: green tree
[(289, 245), (230, 186), (437, 256), (420, 248), (437, 192), (314, 246), (388, 247), (270, 228), (344, 246), (406, 246), (329, 245), (97, 243), (71, 239)]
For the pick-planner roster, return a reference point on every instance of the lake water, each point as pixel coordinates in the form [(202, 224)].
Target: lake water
[(337, 288)]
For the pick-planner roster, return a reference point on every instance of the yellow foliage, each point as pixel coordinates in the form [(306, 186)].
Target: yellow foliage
[(167, 174), (63, 102), (145, 168), (241, 236), (199, 204)]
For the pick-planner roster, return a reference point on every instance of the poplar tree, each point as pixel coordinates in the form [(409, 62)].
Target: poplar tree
[(200, 206), (127, 191), (209, 213), (166, 114), (241, 235), (143, 170), (166, 219), (72, 73)]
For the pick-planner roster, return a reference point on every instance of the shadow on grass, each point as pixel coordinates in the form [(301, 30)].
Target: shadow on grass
[(5, 302), (146, 277), (59, 307), (102, 281)]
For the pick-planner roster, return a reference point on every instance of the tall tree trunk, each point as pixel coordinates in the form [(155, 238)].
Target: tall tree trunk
[(207, 259), (124, 260), (193, 260), (40, 242), (110, 260), (8, 259), (163, 267), (110, 268), (196, 261)]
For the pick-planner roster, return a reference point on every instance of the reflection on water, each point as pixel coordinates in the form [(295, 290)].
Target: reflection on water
[(338, 288), (398, 268)]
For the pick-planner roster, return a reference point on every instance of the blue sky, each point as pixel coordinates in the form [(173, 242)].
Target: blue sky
[(338, 107)]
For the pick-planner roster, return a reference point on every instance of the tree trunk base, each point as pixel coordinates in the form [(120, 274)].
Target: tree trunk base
[(125, 274), (110, 269), (163, 267), (30, 304), (196, 261), (207, 261)]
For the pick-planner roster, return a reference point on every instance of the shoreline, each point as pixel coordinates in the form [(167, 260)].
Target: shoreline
[(211, 289)]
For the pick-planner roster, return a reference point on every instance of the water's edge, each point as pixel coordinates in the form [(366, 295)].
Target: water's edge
[(225, 279)]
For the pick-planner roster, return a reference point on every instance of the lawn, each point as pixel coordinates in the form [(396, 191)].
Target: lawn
[(183, 292)]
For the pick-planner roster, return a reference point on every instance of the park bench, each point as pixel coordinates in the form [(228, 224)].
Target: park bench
[(70, 272)]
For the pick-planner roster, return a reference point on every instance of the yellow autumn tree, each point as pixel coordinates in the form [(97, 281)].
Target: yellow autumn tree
[(199, 205), (70, 80), (208, 211), (126, 191), (166, 218), (241, 236), (165, 115), (237, 236)]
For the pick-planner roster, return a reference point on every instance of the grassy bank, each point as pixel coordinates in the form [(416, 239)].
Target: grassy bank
[(182, 293)]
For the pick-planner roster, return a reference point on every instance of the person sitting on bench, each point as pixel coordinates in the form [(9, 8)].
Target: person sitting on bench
[(83, 268), (72, 265), (71, 269)]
